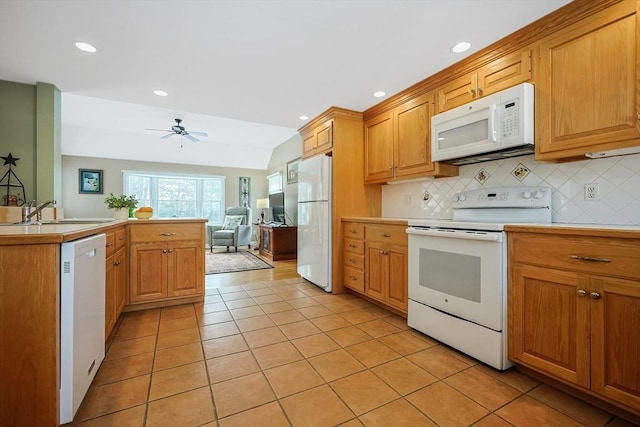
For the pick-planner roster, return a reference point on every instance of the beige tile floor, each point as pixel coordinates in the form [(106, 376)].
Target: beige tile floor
[(284, 353)]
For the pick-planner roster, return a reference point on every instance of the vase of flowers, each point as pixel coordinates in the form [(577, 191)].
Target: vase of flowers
[(122, 204)]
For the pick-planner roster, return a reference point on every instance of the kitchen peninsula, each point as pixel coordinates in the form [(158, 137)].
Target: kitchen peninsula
[(30, 273)]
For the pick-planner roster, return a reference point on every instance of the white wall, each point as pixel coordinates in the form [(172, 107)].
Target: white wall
[(289, 150), (618, 180), (78, 205)]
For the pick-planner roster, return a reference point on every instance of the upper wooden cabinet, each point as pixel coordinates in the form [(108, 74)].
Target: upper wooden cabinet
[(317, 140), (398, 143), (587, 85), (500, 74)]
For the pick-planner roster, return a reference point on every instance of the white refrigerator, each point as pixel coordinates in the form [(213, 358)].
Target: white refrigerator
[(314, 221)]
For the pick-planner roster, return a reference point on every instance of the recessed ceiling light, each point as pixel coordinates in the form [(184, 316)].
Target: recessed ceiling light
[(460, 47), (303, 117), (86, 47), (379, 94), (160, 92)]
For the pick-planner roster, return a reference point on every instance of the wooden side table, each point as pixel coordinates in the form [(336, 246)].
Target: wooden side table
[(278, 243)]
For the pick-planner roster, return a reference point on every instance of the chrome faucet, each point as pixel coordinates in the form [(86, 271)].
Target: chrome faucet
[(28, 213)]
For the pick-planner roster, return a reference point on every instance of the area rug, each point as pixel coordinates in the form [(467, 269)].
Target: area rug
[(226, 262)]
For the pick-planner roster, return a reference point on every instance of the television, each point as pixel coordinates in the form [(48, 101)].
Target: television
[(276, 204)]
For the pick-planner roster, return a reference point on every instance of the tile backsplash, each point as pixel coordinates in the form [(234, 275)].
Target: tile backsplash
[(617, 190)]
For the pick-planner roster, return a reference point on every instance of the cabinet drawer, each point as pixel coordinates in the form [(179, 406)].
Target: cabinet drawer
[(595, 255), (110, 245), (386, 234), (354, 246), (165, 232), (353, 260), (120, 238), (353, 230), (354, 279)]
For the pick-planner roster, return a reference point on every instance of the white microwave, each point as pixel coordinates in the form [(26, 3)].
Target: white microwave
[(493, 127)]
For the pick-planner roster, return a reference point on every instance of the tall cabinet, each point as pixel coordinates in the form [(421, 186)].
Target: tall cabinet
[(350, 195)]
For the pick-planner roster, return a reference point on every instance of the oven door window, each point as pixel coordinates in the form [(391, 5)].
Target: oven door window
[(457, 275), (464, 278)]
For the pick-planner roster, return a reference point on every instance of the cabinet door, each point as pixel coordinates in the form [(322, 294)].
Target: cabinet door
[(378, 148), (549, 322), (458, 92), (186, 271), (413, 137), (120, 265), (324, 136), (110, 295), (309, 144), (377, 273), (587, 86), (148, 272), (503, 73), (397, 292), (615, 341)]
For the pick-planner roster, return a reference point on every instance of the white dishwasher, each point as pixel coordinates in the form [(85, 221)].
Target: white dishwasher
[(82, 311)]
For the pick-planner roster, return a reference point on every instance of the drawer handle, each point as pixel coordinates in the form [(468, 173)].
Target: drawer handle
[(352, 231), (589, 258), (385, 235), (595, 295), (167, 234), (582, 292), (352, 246), (354, 278), (109, 244)]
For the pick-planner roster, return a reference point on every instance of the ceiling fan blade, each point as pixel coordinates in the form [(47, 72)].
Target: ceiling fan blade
[(169, 135), (190, 138), (204, 134), (161, 130)]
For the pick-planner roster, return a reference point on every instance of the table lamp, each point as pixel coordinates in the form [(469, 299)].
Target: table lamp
[(262, 204)]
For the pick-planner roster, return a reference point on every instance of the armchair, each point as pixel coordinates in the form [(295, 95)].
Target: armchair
[(235, 231)]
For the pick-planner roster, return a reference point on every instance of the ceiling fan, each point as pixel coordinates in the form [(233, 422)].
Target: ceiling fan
[(178, 129)]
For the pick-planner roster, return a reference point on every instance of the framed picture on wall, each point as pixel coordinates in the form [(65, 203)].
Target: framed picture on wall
[(292, 171), (90, 181), (244, 191)]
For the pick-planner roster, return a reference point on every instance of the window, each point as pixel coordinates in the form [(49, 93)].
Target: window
[(178, 196), (275, 182)]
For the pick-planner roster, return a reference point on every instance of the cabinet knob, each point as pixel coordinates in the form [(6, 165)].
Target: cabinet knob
[(351, 245), (170, 251), (352, 231), (473, 92), (384, 253), (595, 295), (164, 251), (109, 244), (582, 292), (117, 263), (479, 91), (352, 278)]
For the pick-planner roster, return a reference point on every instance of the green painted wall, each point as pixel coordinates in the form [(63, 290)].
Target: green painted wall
[(18, 133), (30, 129)]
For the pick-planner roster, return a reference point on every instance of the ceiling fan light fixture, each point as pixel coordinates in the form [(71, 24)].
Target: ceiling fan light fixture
[(160, 92), (86, 47), (460, 47)]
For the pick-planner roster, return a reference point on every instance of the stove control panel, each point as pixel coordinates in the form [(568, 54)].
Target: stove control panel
[(503, 197)]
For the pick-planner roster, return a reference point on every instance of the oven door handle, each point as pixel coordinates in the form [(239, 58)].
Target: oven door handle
[(456, 234)]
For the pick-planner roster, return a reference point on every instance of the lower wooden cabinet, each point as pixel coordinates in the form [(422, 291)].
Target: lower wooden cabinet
[(166, 261), (375, 261), (115, 278), (574, 312)]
